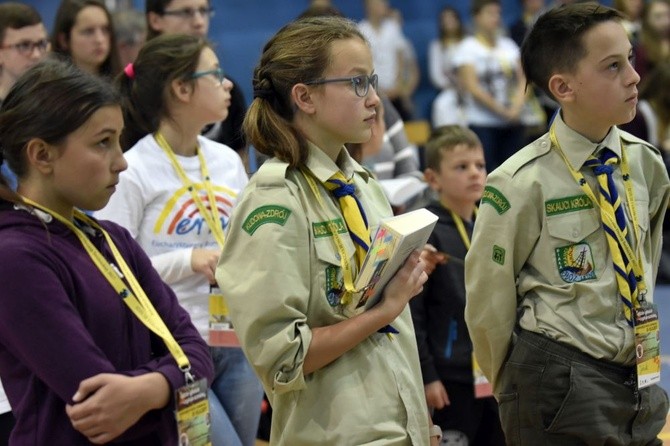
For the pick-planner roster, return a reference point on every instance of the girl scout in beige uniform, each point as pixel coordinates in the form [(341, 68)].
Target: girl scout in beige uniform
[(330, 379)]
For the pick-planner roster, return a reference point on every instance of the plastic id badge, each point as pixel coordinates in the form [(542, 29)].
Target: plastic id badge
[(483, 388), (192, 411), (647, 345), (221, 333)]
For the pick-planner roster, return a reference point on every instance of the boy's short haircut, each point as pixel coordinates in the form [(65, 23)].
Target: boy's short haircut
[(478, 5), (444, 139), (555, 42), (17, 15)]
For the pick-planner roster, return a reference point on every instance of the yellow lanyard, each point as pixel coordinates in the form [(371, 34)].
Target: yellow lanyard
[(635, 259), (212, 217), (347, 268), (458, 221), (135, 297)]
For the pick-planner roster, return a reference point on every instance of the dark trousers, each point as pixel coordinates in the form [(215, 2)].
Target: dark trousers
[(477, 418), (6, 426), (553, 394), (499, 143)]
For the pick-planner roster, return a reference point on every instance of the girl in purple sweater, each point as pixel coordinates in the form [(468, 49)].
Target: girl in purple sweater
[(79, 366)]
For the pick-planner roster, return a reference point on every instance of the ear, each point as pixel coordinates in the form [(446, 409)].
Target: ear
[(303, 98), (155, 22), (181, 90), (431, 178), (561, 87), (41, 155), (63, 41)]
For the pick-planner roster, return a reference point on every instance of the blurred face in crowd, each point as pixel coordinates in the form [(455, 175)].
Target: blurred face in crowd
[(90, 41), (658, 17), (488, 18), (183, 17), (21, 49)]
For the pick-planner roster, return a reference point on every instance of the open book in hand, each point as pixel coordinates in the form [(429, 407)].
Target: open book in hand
[(393, 242)]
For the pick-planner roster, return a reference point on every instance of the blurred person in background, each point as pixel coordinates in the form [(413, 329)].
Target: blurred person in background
[(84, 33)]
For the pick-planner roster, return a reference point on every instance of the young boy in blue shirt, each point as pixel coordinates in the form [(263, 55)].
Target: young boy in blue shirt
[(560, 275)]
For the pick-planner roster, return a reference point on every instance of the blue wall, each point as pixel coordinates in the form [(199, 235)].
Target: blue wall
[(241, 27)]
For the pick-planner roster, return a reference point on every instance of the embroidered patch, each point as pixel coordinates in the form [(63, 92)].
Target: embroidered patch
[(334, 288), (328, 228), (498, 254), (567, 204), (496, 199), (575, 263), (265, 214)]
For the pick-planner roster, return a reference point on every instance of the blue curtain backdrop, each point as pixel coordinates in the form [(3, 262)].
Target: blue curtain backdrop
[(240, 28)]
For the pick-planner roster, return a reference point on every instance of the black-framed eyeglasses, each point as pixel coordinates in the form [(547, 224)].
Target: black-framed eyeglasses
[(360, 83), (218, 73), (189, 13), (27, 47)]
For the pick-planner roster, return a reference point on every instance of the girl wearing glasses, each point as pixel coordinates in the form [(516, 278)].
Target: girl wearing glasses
[(78, 364), (176, 197), (83, 32), (331, 380)]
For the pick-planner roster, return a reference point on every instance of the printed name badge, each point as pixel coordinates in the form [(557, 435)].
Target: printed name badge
[(192, 411), (483, 388), (647, 345), (221, 333)]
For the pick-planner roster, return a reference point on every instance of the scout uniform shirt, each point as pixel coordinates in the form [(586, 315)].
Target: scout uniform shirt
[(539, 245), (281, 276)]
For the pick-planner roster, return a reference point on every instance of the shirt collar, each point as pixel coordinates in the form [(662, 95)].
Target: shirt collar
[(577, 148), (322, 167)]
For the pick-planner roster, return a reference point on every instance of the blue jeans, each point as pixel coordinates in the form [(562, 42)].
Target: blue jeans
[(234, 399)]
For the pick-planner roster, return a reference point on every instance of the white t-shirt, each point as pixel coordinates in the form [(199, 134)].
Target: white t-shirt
[(4, 402), (496, 69), (153, 204), (386, 43)]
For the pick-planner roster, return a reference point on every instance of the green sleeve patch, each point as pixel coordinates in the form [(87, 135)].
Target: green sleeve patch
[(265, 214), (567, 204), (496, 199), (328, 228), (498, 254)]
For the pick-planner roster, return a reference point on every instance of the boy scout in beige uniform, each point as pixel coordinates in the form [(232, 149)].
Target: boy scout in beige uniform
[(543, 303), (373, 391)]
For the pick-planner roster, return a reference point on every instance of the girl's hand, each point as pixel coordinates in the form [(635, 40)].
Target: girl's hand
[(106, 405), (436, 395), (204, 261), (407, 283)]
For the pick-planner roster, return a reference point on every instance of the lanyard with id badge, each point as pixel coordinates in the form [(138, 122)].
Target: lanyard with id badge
[(644, 315), (192, 406), (221, 332)]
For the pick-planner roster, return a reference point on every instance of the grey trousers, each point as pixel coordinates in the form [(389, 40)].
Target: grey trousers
[(553, 394)]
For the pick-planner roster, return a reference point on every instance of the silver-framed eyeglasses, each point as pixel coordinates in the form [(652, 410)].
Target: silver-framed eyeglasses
[(218, 73), (26, 47), (360, 83), (189, 13)]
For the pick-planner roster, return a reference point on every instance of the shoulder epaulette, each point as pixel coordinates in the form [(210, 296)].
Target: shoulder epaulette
[(272, 173), (630, 138), (532, 151)]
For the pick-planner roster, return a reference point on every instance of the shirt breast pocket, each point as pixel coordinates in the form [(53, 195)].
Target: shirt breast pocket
[(329, 273), (579, 246)]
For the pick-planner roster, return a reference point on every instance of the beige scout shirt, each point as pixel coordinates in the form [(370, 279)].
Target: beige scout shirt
[(280, 273), (538, 244)]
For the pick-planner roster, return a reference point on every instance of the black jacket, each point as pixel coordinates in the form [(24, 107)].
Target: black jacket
[(445, 349)]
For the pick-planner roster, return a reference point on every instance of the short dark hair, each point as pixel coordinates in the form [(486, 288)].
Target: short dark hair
[(555, 42), (17, 15), (445, 138), (157, 7), (49, 101), (478, 5)]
